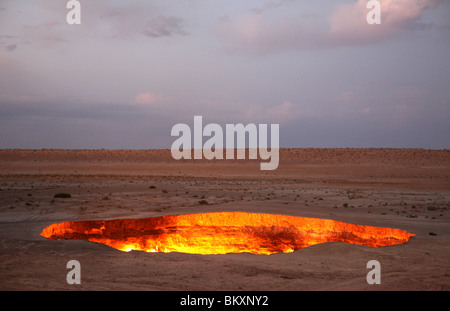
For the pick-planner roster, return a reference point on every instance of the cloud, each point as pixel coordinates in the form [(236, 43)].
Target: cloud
[(11, 47), (260, 32), (350, 105), (13, 78), (163, 26), (224, 17), (43, 34), (281, 111), (127, 20), (348, 23), (148, 98), (271, 5), (278, 113), (100, 21)]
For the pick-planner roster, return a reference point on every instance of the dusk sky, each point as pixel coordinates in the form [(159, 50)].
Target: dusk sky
[(133, 69)]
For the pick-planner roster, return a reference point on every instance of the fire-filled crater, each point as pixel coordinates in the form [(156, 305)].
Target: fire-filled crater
[(223, 232)]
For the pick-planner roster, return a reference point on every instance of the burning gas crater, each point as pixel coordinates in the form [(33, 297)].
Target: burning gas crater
[(221, 233)]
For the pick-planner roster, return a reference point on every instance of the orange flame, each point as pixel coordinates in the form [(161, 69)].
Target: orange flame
[(221, 233)]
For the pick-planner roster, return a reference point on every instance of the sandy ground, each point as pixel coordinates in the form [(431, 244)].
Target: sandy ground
[(397, 188)]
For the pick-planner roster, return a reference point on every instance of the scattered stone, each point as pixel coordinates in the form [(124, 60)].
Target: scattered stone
[(62, 195)]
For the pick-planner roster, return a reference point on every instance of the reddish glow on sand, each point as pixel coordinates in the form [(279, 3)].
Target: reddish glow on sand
[(221, 233)]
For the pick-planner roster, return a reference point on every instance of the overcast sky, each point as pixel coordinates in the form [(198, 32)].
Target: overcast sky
[(135, 68)]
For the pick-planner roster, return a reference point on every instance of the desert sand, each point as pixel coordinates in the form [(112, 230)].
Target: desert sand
[(407, 189)]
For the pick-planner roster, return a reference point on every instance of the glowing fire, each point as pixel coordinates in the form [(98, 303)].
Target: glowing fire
[(221, 233)]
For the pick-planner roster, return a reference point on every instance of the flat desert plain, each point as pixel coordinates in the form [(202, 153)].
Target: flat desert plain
[(407, 189)]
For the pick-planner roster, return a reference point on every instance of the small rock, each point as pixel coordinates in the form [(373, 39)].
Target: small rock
[(62, 195)]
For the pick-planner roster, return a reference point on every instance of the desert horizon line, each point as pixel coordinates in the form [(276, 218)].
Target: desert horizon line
[(169, 149)]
